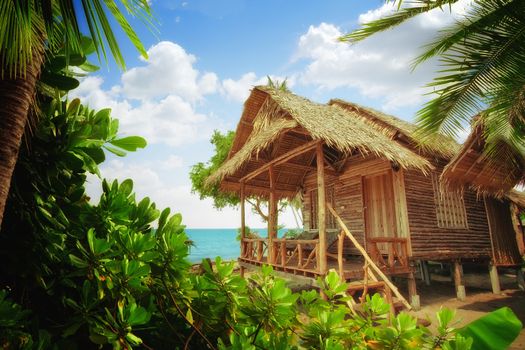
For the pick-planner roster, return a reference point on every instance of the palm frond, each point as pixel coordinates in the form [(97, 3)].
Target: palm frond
[(493, 12), (25, 25), (476, 70), (413, 8)]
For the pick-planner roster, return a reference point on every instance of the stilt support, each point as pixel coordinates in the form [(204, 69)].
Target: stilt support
[(242, 271), (494, 279), (425, 272), (413, 297), (458, 280), (519, 278)]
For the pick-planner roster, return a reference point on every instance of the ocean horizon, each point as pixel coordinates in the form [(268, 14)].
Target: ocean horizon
[(213, 242)]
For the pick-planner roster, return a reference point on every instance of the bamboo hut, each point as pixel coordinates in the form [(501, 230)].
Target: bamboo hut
[(373, 203)]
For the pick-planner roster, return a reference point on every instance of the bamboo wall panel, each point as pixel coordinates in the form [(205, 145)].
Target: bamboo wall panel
[(432, 242), (502, 231)]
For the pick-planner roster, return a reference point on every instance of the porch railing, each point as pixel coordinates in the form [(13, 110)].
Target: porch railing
[(389, 253), (254, 248), (287, 253)]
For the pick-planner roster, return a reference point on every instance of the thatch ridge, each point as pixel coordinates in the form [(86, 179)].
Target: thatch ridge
[(390, 125)]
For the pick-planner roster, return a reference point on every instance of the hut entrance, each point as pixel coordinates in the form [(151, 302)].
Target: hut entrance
[(380, 220)]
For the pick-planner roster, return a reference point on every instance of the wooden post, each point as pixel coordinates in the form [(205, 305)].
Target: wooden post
[(283, 253), (519, 278), (242, 271), (390, 301), (243, 222), (321, 199), (425, 272), (299, 255), (272, 213), (458, 280), (494, 278), (412, 292), (340, 245), (260, 250)]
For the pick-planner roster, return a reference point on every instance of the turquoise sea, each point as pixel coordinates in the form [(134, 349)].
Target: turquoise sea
[(212, 242)]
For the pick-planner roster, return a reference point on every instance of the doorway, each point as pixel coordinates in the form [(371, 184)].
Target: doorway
[(379, 207)]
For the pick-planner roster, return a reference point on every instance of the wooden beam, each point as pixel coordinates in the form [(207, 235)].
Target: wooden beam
[(412, 292), (243, 219), (253, 188), (282, 159), (272, 213), (340, 247), (458, 280), (321, 209), (369, 260), (494, 279)]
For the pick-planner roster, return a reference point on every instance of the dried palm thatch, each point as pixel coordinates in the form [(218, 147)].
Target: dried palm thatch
[(473, 168), (516, 197), (440, 145), (339, 128)]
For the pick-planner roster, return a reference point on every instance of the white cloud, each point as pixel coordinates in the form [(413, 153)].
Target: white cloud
[(380, 66), (168, 88), (169, 70), (172, 162), (171, 120), (371, 15)]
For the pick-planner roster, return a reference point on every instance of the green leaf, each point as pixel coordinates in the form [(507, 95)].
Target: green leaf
[(59, 81), (77, 262), (115, 151), (496, 330), (88, 67), (130, 143), (133, 339)]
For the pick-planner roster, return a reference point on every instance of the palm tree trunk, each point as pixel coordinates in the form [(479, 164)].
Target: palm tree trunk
[(16, 96)]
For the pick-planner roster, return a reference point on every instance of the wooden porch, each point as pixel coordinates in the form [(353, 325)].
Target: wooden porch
[(301, 257)]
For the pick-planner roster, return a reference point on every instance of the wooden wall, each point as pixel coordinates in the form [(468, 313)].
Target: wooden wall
[(427, 240), (504, 240), (432, 242)]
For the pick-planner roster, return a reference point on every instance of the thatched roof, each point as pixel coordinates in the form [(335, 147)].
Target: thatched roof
[(269, 114), (517, 197), (473, 168), (396, 128)]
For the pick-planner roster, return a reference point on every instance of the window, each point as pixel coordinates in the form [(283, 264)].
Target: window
[(450, 207), (314, 211)]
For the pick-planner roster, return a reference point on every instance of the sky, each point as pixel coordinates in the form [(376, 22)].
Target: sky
[(206, 55)]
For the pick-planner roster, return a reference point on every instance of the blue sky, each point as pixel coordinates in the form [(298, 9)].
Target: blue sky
[(205, 57)]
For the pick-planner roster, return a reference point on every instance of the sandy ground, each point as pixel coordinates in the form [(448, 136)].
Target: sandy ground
[(479, 300)]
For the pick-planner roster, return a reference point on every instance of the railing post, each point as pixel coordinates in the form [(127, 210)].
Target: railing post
[(340, 246), (283, 252), (391, 258), (259, 250), (243, 220), (299, 255)]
